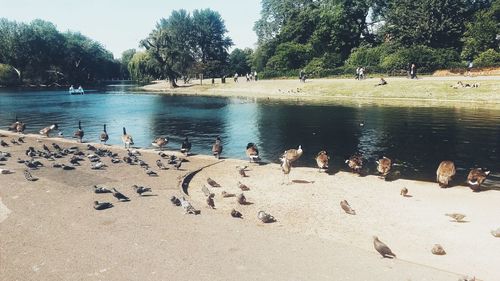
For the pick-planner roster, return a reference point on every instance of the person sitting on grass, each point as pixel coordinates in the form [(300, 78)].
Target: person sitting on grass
[(382, 82)]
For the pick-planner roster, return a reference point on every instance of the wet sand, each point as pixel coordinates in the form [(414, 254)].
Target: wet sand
[(50, 231)]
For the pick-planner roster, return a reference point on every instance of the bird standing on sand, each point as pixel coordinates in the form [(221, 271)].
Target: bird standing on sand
[(3, 143), (212, 183), (252, 152), (225, 194), (210, 201), (243, 187), (322, 161), (293, 154), (404, 192), (118, 195), (438, 250), (384, 166), (355, 162), (241, 199), (127, 139), (185, 146), (241, 171), (175, 201), (104, 137), (102, 205), (456, 216), (28, 176), (141, 189), (286, 167), (445, 172), (217, 148), (47, 130), (347, 208), (17, 126), (236, 214), (265, 217), (476, 177), (496, 232), (382, 248), (79, 133), (160, 165), (160, 142)]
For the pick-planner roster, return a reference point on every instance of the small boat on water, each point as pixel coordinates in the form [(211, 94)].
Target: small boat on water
[(78, 91)]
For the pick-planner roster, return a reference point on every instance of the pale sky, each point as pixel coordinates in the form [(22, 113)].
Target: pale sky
[(120, 25)]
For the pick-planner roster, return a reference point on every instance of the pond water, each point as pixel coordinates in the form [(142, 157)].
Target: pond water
[(416, 138)]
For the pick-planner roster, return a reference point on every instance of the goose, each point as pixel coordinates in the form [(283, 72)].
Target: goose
[(322, 160), (160, 142), (476, 177), (13, 127), (102, 205), (382, 248), (384, 166), (355, 162), (17, 126), (79, 133), (445, 171), (103, 137), (293, 154), (127, 139), (217, 147), (47, 130), (186, 146), (286, 167), (252, 152)]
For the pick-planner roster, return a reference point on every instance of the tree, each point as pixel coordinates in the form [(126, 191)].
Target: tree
[(124, 61), (240, 61)]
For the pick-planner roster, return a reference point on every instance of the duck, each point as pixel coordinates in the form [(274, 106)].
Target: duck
[(293, 154), (186, 146), (79, 133), (322, 160), (160, 142), (445, 171), (252, 152), (384, 166), (355, 162), (476, 177), (104, 137), (47, 130), (127, 139), (217, 147)]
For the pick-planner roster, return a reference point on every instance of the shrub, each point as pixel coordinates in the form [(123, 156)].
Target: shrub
[(289, 55), (8, 75), (366, 56), (427, 59), (489, 57)]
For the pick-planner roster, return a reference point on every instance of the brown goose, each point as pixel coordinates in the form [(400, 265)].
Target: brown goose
[(355, 162), (217, 147), (79, 133), (47, 130), (103, 137), (445, 172), (384, 166), (476, 177), (160, 142), (186, 146), (322, 161), (293, 154), (286, 167), (252, 152), (127, 139)]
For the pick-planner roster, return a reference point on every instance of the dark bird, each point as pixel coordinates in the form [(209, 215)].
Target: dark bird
[(236, 214), (210, 201), (217, 148), (241, 171), (56, 146), (444, 173), (3, 143), (212, 183), (91, 147), (20, 139), (382, 248), (322, 161), (102, 205), (186, 146), (355, 162), (141, 189), (175, 201), (151, 173), (67, 168), (243, 187), (101, 189), (384, 166), (127, 139), (252, 152), (104, 137), (79, 133), (293, 154), (28, 176), (178, 164), (160, 165), (476, 177), (118, 195), (265, 217), (14, 141), (347, 208), (241, 199)]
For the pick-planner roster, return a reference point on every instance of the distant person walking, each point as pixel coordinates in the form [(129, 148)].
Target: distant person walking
[(470, 64), (413, 71), (255, 75), (236, 77), (302, 76), (361, 73), (357, 73)]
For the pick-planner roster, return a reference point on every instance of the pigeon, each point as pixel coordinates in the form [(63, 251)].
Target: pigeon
[(151, 173), (3, 143), (56, 165), (20, 139), (188, 208), (101, 189), (404, 191), (102, 205), (226, 194), (118, 195), (160, 165), (28, 176), (141, 189), (243, 187), (242, 173), (14, 141), (241, 199), (438, 250), (175, 201), (496, 233), (206, 191), (347, 208), (46, 148), (212, 183), (5, 171), (91, 147), (265, 217), (178, 164), (115, 160), (56, 146), (456, 216), (67, 168), (210, 201), (382, 248), (143, 164), (236, 214), (97, 166)]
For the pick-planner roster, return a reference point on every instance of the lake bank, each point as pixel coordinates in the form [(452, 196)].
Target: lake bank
[(52, 223), (428, 91)]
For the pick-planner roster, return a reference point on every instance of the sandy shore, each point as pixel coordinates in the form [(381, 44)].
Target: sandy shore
[(49, 230), (428, 91)]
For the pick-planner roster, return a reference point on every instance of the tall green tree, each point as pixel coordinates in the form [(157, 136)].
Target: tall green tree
[(124, 61), (482, 32), (240, 61)]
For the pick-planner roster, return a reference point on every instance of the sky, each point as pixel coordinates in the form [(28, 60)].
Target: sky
[(120, 25)]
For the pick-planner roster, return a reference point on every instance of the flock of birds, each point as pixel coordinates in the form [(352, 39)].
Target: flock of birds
[(444, 173)]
